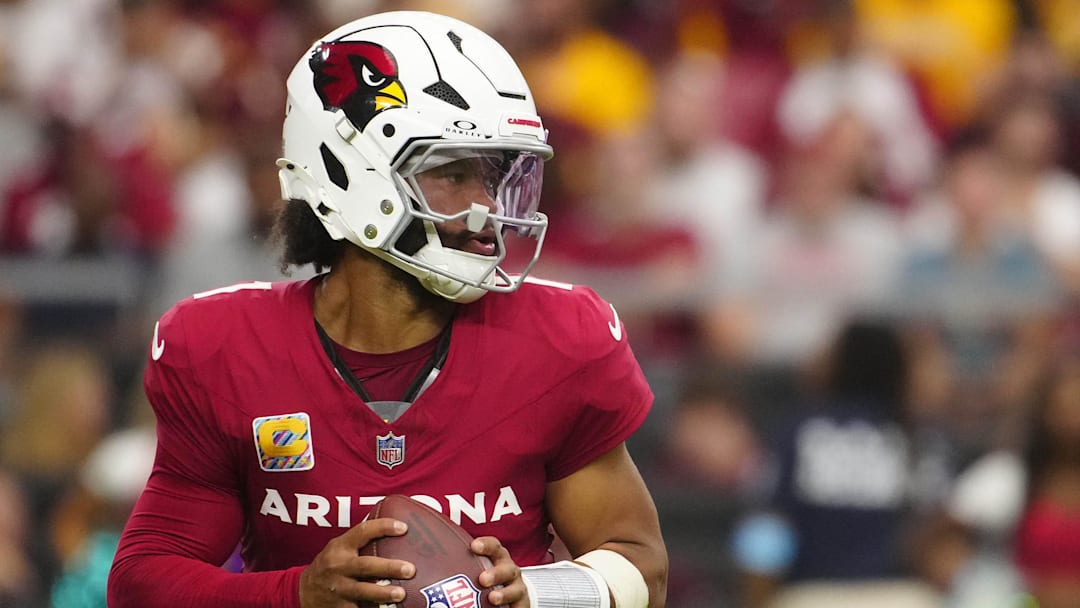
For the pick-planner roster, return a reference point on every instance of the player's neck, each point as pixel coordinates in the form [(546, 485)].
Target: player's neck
[(367, 305)]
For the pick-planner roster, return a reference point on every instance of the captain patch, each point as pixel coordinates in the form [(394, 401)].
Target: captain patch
[(283, 443)]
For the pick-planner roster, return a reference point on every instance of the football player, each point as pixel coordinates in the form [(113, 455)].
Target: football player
[(413, 159)]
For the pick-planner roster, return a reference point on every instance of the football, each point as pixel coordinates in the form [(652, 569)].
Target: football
[(446, 569)]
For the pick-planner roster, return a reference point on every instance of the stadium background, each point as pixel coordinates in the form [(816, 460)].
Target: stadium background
[(773, 193)]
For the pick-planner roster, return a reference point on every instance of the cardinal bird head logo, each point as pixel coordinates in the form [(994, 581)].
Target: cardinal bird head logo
[(359, 78)]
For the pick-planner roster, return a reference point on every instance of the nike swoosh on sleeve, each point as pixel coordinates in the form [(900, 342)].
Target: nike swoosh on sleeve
[(615, 327), (157, 348)]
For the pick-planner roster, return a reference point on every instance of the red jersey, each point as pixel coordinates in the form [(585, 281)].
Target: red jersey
[(262, 441)]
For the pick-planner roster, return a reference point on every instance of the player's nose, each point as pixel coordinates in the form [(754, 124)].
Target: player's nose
[(482, 195)]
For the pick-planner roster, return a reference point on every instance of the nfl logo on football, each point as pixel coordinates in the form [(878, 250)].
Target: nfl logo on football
[(390, 450), (454, 592)]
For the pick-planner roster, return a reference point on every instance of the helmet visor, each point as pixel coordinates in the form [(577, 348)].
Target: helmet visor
[(511, 178), (522, 177), (480, 202)]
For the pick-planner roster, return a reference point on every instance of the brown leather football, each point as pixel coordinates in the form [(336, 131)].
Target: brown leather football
[(446, 569)]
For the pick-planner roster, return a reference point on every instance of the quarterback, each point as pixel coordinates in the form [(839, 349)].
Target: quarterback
[(413, 160)]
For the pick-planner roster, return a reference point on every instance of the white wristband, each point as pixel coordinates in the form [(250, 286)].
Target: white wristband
[(565, 585), (625, 581)]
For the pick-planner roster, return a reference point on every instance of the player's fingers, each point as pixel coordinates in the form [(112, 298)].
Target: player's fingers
[(511, 595), (366, 531), (380, 592), (503, 571), (374, 568), (503, 577), (500, 574), (491, 547)]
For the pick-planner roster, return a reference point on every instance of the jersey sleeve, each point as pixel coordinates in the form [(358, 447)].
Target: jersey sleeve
[(189, 518), (190, 440), (608, 395)]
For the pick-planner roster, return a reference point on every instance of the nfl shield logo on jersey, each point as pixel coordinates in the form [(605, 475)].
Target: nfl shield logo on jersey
[(390, 449), (454, 592)]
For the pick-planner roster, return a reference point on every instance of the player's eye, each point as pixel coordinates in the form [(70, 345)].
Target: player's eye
[(491, 182), (460, 172)]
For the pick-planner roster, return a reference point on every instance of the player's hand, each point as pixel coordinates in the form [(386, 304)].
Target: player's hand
[(339, 576), (504, 575)]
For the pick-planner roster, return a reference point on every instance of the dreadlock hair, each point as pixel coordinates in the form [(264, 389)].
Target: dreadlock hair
[(304, 239)]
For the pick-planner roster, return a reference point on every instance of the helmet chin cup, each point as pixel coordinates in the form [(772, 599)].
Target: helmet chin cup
[(439, 265), (452, 290)]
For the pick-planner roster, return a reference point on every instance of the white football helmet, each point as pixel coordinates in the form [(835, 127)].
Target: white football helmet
[(386, 97)]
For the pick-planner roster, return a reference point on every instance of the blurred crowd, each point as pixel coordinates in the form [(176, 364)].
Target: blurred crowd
[(844, 236)]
